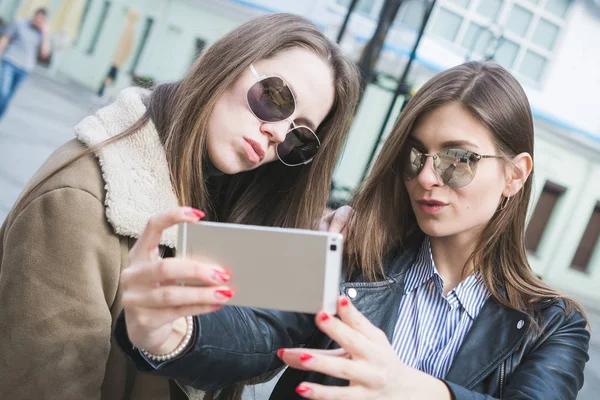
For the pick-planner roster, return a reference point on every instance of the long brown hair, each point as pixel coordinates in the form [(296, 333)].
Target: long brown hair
[(272, 194), (382, 205)]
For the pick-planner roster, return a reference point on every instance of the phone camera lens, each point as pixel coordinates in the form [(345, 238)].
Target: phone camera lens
[(333, 247)]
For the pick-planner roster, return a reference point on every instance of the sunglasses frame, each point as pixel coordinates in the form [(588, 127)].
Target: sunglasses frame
[(260, 78), (478, 157)]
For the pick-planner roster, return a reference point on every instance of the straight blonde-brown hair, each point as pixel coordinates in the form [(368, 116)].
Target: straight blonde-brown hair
[(382, 207)]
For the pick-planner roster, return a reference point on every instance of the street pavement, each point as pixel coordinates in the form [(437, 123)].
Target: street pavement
[(41, 118)]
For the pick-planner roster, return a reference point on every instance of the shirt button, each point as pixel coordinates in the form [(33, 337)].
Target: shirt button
[(520, 324), (352, 293)]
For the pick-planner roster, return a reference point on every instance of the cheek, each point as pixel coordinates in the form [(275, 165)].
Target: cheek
[(478, 201)]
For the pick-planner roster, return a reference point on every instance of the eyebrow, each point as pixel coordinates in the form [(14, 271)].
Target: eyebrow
[(449, 144)]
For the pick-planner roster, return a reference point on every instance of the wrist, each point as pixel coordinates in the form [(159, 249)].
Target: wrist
[(176, 344)]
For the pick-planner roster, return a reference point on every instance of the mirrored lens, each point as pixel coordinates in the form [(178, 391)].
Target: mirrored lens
[(456, 167), (271, 99), (299, 147), (414, 164)]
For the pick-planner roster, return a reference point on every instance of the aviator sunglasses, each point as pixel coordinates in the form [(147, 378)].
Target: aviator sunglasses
[(271, 100), (453, 167)]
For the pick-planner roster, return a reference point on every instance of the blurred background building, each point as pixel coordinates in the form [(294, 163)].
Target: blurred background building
[(551, 46)]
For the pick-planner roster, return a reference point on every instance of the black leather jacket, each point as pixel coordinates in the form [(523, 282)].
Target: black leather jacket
[(499, 358)]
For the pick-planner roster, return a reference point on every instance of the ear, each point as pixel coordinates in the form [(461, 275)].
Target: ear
[(517, 174)]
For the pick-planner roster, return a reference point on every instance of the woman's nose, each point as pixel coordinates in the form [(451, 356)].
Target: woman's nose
[(276, 131), (428, 177)]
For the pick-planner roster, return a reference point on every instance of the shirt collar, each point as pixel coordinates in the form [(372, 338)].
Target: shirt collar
[(471, 292)]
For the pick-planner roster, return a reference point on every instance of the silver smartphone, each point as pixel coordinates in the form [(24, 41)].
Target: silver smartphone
[(286, 269)]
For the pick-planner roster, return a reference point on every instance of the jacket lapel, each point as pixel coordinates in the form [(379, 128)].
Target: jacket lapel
[(496, 332), (380, 301)]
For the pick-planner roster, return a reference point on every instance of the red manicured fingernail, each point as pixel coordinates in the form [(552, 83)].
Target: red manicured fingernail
[(305, 357), (344, 302), (195, 212), (221, 275), (324, 316), (227, 293), (280, 353), (302, 389)]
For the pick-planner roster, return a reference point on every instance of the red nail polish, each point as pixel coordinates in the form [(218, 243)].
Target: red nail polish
[(198, 213), (280, 353), (222, 276), (228, 293), (324, 316), (344, 302), (194, 212), (305, 357), (302, 389)]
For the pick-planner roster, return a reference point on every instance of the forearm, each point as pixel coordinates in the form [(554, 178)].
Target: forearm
[(45, 47), (4, 40), (229, 346)]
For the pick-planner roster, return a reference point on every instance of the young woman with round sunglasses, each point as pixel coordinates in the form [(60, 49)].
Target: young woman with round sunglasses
[(440, 301), (250, 135)]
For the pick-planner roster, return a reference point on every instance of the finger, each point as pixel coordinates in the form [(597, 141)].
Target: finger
[(326, 352), (340, 219), (150, 237), (174, 269), (177, 296), (155, 318), (310, 390), (326, 221), (357, 321), (354, 342), (310, 360)]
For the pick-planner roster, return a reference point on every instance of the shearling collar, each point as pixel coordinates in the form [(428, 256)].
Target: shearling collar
[(135, 169)]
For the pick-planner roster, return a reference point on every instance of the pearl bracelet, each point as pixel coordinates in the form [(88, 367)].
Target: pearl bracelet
[(180, 349)]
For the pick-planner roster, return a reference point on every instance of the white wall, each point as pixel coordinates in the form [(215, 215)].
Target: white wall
[(572, 83)]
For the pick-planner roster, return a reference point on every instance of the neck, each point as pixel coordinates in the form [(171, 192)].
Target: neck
[(209, 168), (450, 255)]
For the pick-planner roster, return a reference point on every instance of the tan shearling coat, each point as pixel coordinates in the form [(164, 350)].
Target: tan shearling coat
[(62, 251)]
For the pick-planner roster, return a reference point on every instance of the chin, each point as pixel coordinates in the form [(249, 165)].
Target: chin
[(434, 228)]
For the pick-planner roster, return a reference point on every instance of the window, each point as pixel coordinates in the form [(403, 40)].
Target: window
[(558, 7), (446, 24), (543, 211), (411, 14), (518, 20), (521, 35), (477, 38), (363, 6), (490, 9), (588, 243), (461, 3), (545, 34), (99, 26), (506, 53), (532, 65)]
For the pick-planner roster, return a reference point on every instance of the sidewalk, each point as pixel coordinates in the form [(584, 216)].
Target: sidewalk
[(41, 118)]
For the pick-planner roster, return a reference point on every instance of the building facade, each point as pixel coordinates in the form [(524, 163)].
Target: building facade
[(549, 45)]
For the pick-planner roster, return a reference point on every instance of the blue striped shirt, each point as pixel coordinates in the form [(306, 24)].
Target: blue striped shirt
[(431, 327)]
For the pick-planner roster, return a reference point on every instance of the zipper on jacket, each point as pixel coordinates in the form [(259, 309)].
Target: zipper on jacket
[(183, 389), (502, 377)]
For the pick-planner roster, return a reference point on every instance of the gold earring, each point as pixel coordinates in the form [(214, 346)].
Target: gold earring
[(504, 203)]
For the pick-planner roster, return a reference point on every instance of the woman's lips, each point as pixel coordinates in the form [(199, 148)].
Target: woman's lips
[(254, 151), (431, 207)]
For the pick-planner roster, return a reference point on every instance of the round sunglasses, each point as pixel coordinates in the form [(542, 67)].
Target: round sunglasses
[(453, 167), (271, 100)]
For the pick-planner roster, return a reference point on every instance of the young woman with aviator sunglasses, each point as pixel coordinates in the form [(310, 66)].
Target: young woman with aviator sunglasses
[(223, 144), (440, 301)]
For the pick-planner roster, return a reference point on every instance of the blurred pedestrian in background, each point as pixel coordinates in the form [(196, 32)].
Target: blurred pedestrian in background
[(21, 45)]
